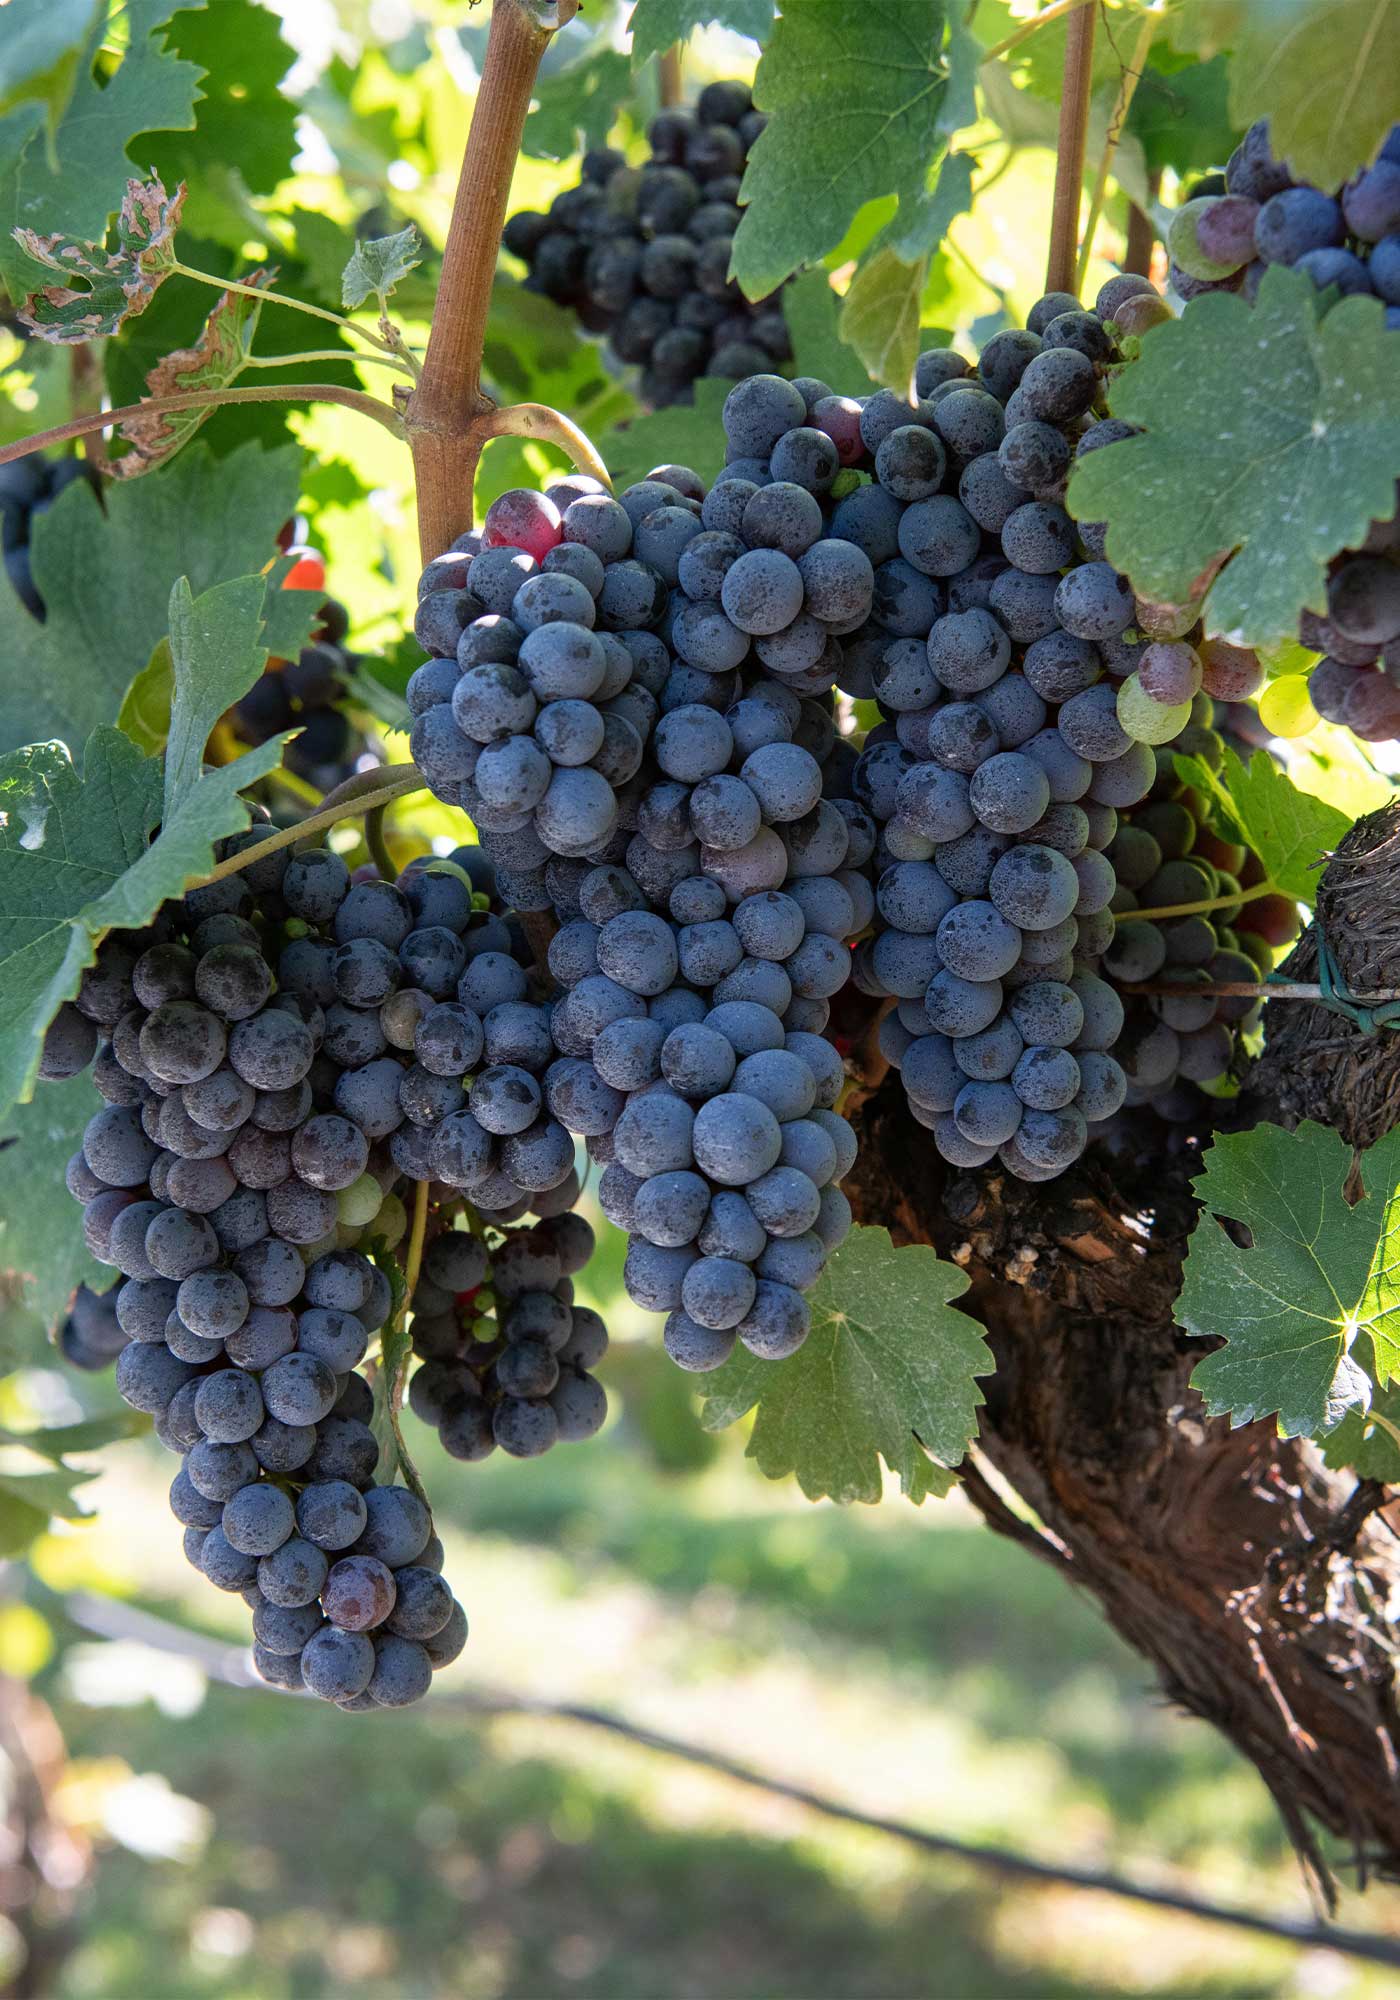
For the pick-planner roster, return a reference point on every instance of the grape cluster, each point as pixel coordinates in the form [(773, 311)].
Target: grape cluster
[(692, 830), (642, 253), (505, 1352), (1225, 240), (28, 487), (1030, 706), (276, 1053)]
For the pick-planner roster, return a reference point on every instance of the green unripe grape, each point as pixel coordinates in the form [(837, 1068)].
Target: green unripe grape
[(1146, 720), (357, 1205), (391, 1223), (1285, 707)]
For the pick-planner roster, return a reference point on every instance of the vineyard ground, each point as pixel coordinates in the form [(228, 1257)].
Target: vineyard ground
[(910, 1663)]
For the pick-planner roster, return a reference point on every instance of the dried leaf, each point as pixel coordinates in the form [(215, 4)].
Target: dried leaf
[(217, 358), (120, 283)]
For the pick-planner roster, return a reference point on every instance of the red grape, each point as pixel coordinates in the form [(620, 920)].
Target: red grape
[(1169, 672), (839, 417), (1230, 673), (523, 520)]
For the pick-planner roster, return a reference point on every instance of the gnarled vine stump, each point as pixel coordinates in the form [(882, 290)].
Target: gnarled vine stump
[(1261, 1587)]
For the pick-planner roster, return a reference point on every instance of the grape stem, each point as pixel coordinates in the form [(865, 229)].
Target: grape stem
[(670, 77), (156, 406), (261, 293), (448, 402), (377, 844), (1132, 76), (1070, 144), (537, 420), (1028, 28), (360, 794), (1202, 908), (1256, 989)]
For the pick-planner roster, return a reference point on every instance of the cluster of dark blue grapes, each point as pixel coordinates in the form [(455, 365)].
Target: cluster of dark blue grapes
[(278, 1053), (691, 827), (505, 1352), (642, 253), (1257, 213), (28, 488), (1224, 239), (1028, 700), (305, 694)]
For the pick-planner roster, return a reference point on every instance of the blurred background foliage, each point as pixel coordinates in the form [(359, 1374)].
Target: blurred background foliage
[(200, 1839)]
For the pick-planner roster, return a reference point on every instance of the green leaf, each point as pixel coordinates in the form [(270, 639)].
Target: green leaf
[(28, 1502), (579, 102), (533, 354), (1180, 116), (106, 575), (1362, 1441), (244, 139), (1322, 73), (40, 51), (888, 1371), (216, 655), (1292, 832), (1270, 435), (117, 284), (77, 184), (1318, 1273), (812, 311), (90, 1434), (880, 318), (919, 227), (657, 24), (682, 435), (144, 715), (377, 265), (217, 359), (854, 97), (41, 1228), (74, 858)]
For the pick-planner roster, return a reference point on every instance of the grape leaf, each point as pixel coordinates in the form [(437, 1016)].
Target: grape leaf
[(1363, 1442), (217, 358), (377, 265), (888, 1371), (117, 284), (76, 184), (216, 657), (41, 1227), (105, 577), (854, 97), (812, 311), (29, 1500), (1319, 1273), (880, 318), (657, 24), (580, 101), (74, 854), (1269, 434), (1292, 832), (681, 435), (244, 138), (1323, 75), (40, 51), (88, 1434), (1180, 117), (881, 311)]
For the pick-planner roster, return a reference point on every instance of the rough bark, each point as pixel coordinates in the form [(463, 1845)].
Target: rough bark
[(1260, 1586)]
